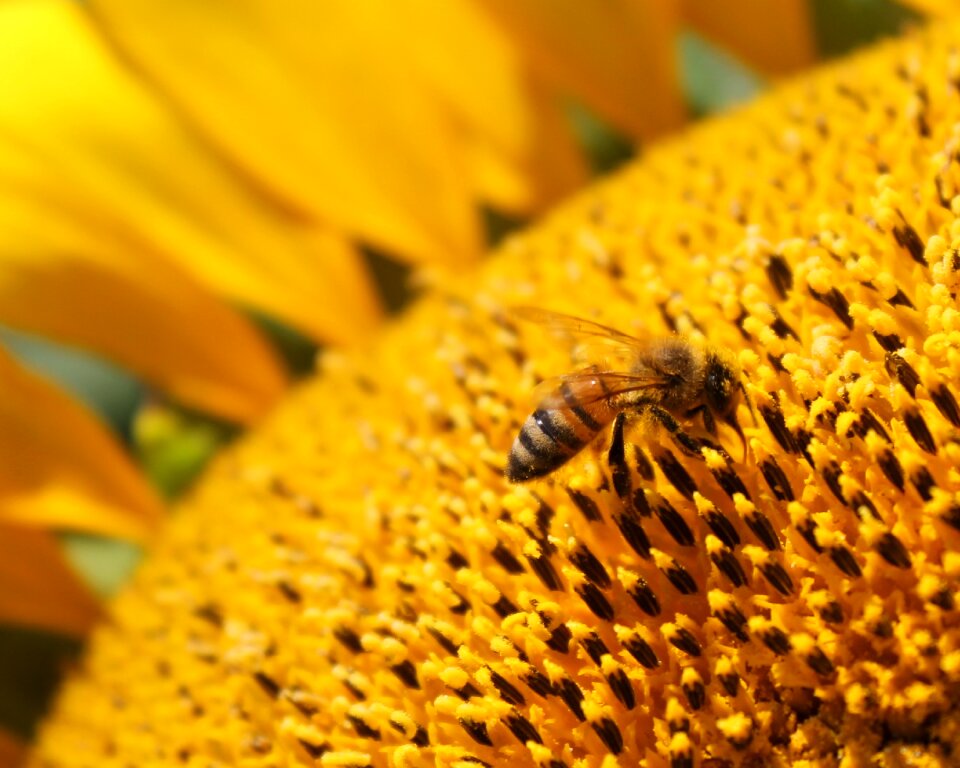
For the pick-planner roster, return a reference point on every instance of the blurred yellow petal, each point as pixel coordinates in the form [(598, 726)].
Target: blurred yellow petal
[(458, 43), (61, 468), (498, 180), (116, 299), (12, 750), (556, 161), (522, 150), (776, 38), (552, 168), (317, 102), (617, 57), (82, 135), (39, 589), (933, 7)]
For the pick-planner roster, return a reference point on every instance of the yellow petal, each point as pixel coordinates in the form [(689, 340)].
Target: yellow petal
[(933, 7), (317, 102), (498, 180), (617, 57), (39, 588), (473, 65), (552, 168), (12, 750), (58, 281), (556, 160), (84, 138), (61, 468), (774, 37), (522, 151)]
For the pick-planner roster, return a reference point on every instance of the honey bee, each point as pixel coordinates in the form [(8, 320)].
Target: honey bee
[(668, 379)]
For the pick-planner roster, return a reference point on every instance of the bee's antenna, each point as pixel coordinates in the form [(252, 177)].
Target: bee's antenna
[(732, 422), (749, 402)]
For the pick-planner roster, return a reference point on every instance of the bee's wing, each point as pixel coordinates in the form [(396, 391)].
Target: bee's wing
[(589, 340), (591, 385), (572, 326)]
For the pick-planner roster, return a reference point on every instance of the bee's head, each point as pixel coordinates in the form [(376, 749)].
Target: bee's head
[(722, 389), (721, 385)]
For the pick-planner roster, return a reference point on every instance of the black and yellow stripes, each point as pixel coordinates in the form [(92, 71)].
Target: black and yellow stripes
[(552, 436)]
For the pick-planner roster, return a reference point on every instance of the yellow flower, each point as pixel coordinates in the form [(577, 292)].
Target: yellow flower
[(356, 583), (159, 160)]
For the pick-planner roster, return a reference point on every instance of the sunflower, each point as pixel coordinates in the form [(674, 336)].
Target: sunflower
[(356, 583), (176, 173)]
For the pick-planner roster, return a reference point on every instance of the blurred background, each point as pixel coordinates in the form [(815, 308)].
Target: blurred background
[(711, 64)]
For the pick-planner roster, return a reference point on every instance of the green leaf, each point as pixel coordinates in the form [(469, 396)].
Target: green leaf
[(842, 25), (606, 149), (712, 79), (106, 389), (105, 564), (174, 445), (30, 669), (298, 352)]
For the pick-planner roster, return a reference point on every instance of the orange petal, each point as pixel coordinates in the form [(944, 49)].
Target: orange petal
[(617, 57), (39, 588), (12, 750), (319, 103), (84, 139), (776, 38), (61, 468)]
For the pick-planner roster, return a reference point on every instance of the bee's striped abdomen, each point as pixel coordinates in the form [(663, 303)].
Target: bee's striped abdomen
[(552, 436)]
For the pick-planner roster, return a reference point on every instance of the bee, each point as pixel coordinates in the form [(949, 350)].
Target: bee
[(668, 379)]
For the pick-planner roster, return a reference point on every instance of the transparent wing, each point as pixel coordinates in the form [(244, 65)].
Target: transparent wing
[(572, 326), (591, 385), (587, 340)]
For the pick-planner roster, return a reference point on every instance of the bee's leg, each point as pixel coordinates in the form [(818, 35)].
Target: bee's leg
[(709, 423), (687, 444), (617, 459)]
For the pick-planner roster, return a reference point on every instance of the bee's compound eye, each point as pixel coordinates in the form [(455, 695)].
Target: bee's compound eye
[(719, 386)]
